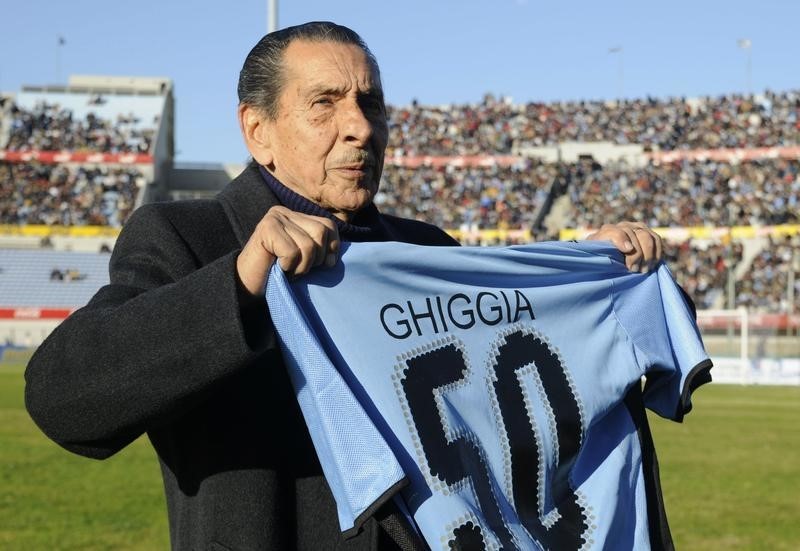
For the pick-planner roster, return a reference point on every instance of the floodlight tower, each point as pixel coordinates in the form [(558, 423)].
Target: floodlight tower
[(617, 50), (272, 19), (747, 45)]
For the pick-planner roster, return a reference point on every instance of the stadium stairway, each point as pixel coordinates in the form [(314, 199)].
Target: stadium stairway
[(5, 123), (558, 216)]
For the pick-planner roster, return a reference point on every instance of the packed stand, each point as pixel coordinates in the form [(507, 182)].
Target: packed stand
[(679, 194), (49, 127), (702, 268), (68, 195), (498, 126), (687, 193), (765, 286), (468, 197)]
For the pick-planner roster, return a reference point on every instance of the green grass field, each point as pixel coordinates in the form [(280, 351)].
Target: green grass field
[(730, 474), (51, 499)]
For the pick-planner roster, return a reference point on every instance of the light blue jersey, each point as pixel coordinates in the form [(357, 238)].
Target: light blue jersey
[(503, 383)]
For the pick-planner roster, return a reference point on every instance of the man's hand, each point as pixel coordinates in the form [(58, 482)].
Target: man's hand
[(297, 241), (641, 246)]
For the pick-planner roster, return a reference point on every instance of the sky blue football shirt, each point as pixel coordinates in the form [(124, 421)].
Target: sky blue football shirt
[(504, 384)]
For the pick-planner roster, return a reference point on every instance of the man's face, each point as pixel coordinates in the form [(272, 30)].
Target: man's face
[(329, 138)]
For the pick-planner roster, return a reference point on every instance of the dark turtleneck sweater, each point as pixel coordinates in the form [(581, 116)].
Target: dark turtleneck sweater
[(364, 227)]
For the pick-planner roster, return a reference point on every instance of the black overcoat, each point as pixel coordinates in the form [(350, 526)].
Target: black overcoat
[(174, 348)]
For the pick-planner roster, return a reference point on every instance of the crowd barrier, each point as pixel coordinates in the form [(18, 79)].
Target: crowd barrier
[(702, 232), (40, 230)]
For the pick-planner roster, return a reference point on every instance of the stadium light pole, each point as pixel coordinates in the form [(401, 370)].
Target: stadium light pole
[(272, 19), (620, 65), (59, 45), (747, 45)]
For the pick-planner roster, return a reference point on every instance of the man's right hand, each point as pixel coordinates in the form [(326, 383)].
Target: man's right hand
[(297, 241)]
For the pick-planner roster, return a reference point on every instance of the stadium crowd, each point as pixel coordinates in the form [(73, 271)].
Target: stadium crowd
[(468, 197), (33, 193), (515, 197), (499, 126), (49, 127), (764, 288), (668, 195), (702, 268), (686, 193)]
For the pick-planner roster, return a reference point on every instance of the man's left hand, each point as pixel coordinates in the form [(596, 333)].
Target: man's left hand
[(642, 247)]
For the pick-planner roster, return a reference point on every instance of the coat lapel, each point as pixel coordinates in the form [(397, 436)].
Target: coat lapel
[(245, 201)]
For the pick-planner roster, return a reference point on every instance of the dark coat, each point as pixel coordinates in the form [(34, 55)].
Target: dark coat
[(174, 348)]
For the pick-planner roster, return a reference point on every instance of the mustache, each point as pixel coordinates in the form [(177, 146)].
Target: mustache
[(356, 156)]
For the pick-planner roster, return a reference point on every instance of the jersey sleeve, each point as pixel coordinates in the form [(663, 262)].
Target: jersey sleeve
[(654, 312), (358, 464)]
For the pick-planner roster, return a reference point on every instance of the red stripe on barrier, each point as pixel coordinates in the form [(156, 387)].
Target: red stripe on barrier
[(458, 161), (32, 313), (726, 155), (754, 321), (53, 157)]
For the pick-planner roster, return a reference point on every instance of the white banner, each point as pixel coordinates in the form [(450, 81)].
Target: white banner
[(763, 371)]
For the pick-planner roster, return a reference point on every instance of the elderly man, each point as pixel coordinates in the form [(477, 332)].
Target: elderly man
[(180, 344)]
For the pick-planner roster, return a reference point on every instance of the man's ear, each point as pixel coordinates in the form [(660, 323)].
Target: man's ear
[(255, 127)]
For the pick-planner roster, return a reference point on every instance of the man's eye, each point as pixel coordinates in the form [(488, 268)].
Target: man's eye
[(323, 101)]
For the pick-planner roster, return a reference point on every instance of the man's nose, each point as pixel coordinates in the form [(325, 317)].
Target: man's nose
[(355, 126)]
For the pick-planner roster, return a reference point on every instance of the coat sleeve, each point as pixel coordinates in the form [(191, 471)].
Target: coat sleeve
[(148, 346)]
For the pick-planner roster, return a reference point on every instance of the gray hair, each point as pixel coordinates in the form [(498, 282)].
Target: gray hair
[(262, 77)]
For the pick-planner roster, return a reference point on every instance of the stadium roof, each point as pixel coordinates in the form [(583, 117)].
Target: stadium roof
[(103, 84)]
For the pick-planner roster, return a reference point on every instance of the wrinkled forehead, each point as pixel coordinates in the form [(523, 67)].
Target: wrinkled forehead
[(330, 64)]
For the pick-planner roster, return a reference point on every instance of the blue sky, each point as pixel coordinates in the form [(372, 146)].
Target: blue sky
[(438, 51)]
